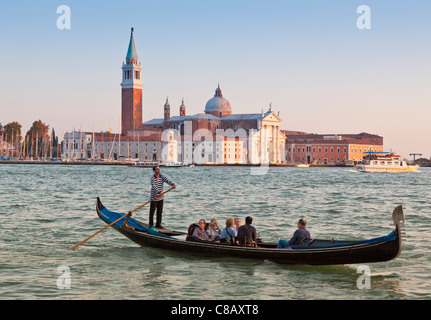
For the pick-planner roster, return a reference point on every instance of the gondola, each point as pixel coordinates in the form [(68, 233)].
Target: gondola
[(315, 252)]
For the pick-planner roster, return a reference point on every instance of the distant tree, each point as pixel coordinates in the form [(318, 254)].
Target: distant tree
[(55, 146), (38, 135), (12, 132), (39, 129)]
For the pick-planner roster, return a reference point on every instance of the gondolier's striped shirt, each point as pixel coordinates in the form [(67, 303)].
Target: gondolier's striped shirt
[(157, 186)]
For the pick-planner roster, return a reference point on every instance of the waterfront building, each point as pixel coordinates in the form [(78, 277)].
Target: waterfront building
[(423, 162), (107, 146), (76, 145), (330, 149), (7, 150), (123, 148), (218, 150)]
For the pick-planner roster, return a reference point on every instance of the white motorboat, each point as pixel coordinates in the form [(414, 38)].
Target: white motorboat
[(384, 162)]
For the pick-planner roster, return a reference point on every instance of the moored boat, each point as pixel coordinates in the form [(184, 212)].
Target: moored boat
[(384, 162), (314, 252), (145, 164), (175, 164), (303, 165)]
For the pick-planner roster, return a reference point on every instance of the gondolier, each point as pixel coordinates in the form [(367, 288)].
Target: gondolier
[(157, 182)]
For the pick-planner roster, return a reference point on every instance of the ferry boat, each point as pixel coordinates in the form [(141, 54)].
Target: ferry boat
[(384, 162)]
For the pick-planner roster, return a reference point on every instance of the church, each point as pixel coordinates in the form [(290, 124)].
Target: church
[(216, 136), (230, 138)]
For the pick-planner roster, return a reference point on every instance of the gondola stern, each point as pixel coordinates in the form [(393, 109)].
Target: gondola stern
[(399, 222), (99, 205), (398, 215)]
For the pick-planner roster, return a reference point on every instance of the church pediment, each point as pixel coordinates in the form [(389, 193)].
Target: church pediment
[(271, 116)]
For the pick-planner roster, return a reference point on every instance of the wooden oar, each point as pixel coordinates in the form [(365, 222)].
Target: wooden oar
[(77, 245)]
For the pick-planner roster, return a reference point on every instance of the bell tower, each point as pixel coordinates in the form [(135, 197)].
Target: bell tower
[(182, 109), (131, 91), (167, 109)]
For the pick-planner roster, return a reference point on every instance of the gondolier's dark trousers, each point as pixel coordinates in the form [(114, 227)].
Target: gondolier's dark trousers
[(153, 206)]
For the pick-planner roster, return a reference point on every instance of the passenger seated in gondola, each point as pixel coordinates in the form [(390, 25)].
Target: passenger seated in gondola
[(247, 233), (200, 233), (300, 235), (213, 230), (228, 233), (237, 222)]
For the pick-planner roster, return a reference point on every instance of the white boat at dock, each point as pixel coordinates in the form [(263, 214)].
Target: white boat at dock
[(175, 164), (145, 164), (151, 164), (303, 165), (384, 162)]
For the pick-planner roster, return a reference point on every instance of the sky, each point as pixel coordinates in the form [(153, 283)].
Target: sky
[(308, 58)]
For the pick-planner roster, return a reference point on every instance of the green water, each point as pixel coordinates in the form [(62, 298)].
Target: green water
[(45, 209)]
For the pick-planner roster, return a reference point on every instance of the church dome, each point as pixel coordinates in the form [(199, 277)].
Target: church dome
[(218, 105)]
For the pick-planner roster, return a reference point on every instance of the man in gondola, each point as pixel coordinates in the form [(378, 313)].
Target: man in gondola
[(246, 233), (157, 182), (299, 235)]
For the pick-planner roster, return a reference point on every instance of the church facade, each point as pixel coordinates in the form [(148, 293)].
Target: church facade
[(235, 138)]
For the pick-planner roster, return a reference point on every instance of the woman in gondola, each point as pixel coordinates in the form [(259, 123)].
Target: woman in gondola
[(228, 233)]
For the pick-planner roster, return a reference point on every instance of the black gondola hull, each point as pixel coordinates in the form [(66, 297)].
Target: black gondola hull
[(366, 252)]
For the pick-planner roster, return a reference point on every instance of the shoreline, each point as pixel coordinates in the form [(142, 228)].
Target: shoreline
[(122, 163)]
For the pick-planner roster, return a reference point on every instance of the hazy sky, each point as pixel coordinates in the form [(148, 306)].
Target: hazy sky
[(308, 58)]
